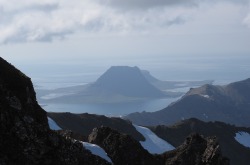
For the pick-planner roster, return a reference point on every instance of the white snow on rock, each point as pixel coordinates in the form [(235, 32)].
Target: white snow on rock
[(153, 143), (53, 125), (206, 96), (96, 150), (55, 95), (243, 138)]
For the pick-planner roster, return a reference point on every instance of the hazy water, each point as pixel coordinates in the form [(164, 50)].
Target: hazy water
[(112, 109), (52, 75)]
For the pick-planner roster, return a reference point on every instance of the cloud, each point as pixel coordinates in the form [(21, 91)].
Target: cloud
[(142, 4), (47, 20), (246, 21)]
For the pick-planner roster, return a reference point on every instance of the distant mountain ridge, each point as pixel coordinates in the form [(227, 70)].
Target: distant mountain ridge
[(118, 84), (230, 104)]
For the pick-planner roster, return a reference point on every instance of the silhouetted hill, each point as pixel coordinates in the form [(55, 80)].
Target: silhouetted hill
[(126, 81), (230, 104), (117, 84), (225, 133)]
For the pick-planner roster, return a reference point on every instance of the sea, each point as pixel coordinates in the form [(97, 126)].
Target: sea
[(53, 75)]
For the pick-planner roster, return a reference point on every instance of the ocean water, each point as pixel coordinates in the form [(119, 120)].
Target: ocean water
[(112, 109), (52, 75)]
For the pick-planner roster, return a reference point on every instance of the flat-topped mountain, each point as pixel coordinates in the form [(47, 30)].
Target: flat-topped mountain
[(126, 81), (226, 134), (117, 84), (230, 104)]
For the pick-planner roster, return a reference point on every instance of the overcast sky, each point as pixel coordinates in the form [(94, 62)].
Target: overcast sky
[(82, 30)]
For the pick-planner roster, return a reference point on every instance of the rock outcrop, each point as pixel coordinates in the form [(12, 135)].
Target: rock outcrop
[(196, 150), (123, 149), (84, 123), (225, 133), (25, 137)]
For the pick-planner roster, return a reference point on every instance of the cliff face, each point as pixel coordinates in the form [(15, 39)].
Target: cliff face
[(25, 137), (17, 93)]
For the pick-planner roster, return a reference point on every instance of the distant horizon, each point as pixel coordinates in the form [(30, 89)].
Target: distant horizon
[(70, 73), (174, 40)]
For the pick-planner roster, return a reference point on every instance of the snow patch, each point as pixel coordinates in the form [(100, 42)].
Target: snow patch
[(206, 96), (96, 150), (153, 143), (55, 95), (53, 125), (243, 138), (205, 115)]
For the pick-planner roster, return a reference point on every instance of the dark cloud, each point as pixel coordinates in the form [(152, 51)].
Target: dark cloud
[(147, 4), (42, 7), (144, 4)]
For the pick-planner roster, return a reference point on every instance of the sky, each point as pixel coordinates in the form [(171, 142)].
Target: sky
[(177, 33)]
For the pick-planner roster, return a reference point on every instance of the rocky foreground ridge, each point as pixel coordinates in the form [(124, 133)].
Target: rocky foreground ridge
[(225, 133), (26, 138)]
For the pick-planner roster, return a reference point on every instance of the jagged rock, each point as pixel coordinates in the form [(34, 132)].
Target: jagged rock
[(121, 148), (25, 137), (84, 123), (197, 150), (225, 133)]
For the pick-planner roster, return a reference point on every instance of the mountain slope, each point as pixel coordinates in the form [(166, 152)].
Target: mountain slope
[(225, 133), (230, 104), (25, 137), (126, 81), (84, 123)]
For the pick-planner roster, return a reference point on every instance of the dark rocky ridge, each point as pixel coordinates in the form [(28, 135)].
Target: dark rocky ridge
[(176, 134), (25, 137), (124, 150), (229, 104), (84, 123), (196, 150)]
